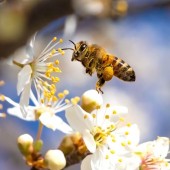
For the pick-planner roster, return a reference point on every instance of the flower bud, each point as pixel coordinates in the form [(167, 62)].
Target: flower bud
[(25, 143), (90, 100), (38, 145), (55, 160)]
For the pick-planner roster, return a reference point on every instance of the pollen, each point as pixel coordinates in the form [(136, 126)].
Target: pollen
[(53, 52), (107, 157), (98, 107), (54, 99), (55, 79), (66, 92), (114, 112), (112, 151), (126, 133), (94, 115), (77, 99), (123, 144), (1, 106), (107, 105), (129, 142), (85, 116), (61, 40), (74, 101), (42, 101), (112, 127), (120, 160), (60, 50), (67, 101), (121, 119), (2, 98), (107, 116), (61, 95), (54, 39), (113, 140), (63, 52), (48, 74), (57, 62), (56, 69), (128, 124)]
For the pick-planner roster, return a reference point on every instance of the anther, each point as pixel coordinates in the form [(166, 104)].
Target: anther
[(54, 39)]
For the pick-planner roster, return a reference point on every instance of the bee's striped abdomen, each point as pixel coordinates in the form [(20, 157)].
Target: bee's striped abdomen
[(122, 70)]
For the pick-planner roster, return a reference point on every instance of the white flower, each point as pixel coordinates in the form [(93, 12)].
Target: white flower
[(153, 154), (102, 135), (45, 110), (35, 68)]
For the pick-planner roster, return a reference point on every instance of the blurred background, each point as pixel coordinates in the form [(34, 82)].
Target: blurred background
[(136, 31)]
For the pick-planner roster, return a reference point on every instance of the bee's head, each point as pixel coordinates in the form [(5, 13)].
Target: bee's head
[(79, 50)]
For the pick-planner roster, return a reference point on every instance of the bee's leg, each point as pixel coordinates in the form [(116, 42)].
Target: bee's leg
[(100, 83), (89, 71)]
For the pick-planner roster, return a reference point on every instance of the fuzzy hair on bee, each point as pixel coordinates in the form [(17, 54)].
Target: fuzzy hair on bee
[(95, 59)]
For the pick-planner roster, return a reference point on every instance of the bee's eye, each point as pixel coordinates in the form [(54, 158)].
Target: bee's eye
[(83, 46)]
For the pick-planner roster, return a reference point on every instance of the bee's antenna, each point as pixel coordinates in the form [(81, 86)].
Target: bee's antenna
[(73, 43), (67, 49)]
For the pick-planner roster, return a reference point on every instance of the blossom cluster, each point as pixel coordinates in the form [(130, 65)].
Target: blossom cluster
[(99, 134)]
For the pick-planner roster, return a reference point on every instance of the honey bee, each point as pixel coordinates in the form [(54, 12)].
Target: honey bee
[(95, 59)]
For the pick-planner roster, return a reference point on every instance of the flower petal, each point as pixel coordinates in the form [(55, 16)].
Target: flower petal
[(24, 99), (75, 117), (55, 122), (89, 141), (24, 77), (15, 111), (22, 56), (161, 147), (86, 163)]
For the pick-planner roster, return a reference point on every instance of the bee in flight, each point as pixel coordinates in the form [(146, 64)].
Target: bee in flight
[(95, 59)]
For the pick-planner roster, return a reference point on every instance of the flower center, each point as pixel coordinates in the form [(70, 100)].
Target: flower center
[(149, 162), (100, 135), (39, 111)]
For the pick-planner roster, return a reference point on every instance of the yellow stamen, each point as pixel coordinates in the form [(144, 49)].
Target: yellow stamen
[(114, 112), (61, 95), (94, 115), (54, 98), (121, 119), (126, 133), (107, 116), (123, 144), (120, 160), (107, 105), (61, 40), (57, 62), (67, 101), (112, 151), (85, 116), (53, 51), (2, 98), (66, 92), (54, 39), (107, 157), (128, 124)]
